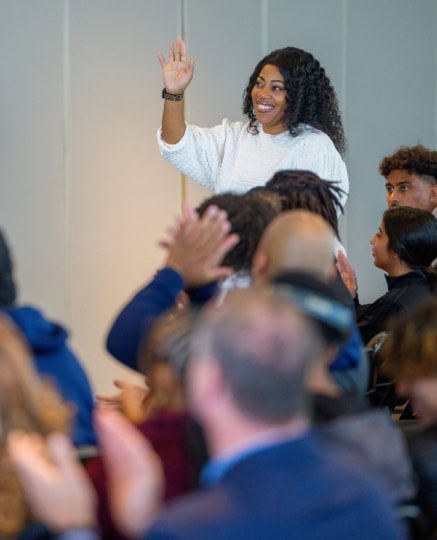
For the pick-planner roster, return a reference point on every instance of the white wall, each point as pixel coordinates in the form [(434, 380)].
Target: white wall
[(84, 194)]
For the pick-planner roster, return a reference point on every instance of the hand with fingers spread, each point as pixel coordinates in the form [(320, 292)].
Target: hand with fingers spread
[(199, 245), (347, 273), (177, 72), (56, 485)]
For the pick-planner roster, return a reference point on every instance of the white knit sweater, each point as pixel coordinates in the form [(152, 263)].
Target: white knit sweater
[(229, 158)]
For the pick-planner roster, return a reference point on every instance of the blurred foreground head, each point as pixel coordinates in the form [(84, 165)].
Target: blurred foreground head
[(253, 351), (27, 404), (409, 356)]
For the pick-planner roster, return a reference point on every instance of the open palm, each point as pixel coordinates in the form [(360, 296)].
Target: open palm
[(177, 72)]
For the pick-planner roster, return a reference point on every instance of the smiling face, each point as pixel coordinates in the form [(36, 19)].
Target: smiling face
[(269, 98), (405, 189)]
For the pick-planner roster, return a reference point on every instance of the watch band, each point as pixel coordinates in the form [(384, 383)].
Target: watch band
[(171, 97)]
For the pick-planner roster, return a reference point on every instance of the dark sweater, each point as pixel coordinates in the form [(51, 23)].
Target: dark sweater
[(403, 292)]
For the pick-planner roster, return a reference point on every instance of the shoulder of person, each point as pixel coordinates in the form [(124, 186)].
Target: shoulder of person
[(309, 134)]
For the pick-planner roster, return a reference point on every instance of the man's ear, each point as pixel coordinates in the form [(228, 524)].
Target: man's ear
[(332, 274), (433, 195), (260, 266), (205, 386)]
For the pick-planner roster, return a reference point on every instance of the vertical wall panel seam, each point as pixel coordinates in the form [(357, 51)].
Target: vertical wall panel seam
[(264, 27), (66, 161)]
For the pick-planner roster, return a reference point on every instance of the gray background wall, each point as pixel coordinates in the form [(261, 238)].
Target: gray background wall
[(84, 193)]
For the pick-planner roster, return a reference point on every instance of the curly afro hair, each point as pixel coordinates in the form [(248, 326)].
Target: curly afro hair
[(414, 159), (311, 97), (307, 191), (249, 215)]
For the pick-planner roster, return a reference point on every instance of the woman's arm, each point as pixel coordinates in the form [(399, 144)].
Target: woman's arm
[(176, 74)]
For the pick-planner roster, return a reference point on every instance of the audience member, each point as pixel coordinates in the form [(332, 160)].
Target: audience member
[(246, 378), (30, 405), (411, 178), (409, 357), (404, 246), (300, 240), (52, 356), (248, 217), (345, 420)]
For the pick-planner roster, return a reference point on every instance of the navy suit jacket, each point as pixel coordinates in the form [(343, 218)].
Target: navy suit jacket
[(290, 490)]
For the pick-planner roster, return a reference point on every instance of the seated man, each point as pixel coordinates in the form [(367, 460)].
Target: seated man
[(53, 358), (411, 178), (300, 240), (268, 476)]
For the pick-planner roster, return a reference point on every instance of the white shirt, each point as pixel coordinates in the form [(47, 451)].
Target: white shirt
[(229, 158)]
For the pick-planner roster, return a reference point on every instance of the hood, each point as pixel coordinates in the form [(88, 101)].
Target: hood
[(41, 334)]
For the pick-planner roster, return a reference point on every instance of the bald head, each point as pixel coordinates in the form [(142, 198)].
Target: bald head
[(296, 240)]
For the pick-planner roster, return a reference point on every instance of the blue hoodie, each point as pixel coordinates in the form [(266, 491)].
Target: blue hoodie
[(54, 360)]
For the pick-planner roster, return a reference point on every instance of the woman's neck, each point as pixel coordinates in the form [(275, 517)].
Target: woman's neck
[(398, 269)]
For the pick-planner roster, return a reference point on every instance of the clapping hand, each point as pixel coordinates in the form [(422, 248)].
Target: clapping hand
[(177, 72), (197, 246), (347, 274)]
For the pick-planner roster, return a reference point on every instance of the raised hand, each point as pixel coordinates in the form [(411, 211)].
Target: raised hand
[(197, 247), (134, 473), (56, 485), (133, 401), (177, 72)]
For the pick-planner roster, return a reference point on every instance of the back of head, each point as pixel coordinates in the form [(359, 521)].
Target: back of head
[(310, 95), (264, 348), (7, 284), (26, 404), (412, 235), (296, 240), (416, 160), (305, 190), (249, 215), (409, 352), (324, 303)]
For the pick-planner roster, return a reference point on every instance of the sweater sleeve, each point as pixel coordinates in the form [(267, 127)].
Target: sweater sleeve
[(373, 318), (139, 314), (330, 166), (199, 153)]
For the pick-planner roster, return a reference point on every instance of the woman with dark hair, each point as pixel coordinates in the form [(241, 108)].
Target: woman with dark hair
[(404, 246), (294, 123)]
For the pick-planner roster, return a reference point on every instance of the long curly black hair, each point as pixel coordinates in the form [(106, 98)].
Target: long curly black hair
[(311, 97)]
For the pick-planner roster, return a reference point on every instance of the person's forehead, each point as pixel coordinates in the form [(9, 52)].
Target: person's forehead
[(399, 176)]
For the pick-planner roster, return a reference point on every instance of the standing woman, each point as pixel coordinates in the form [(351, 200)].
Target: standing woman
[(294, 122)]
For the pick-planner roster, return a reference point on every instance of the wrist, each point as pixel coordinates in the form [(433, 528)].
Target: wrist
[(175, 267), (171, 96)]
